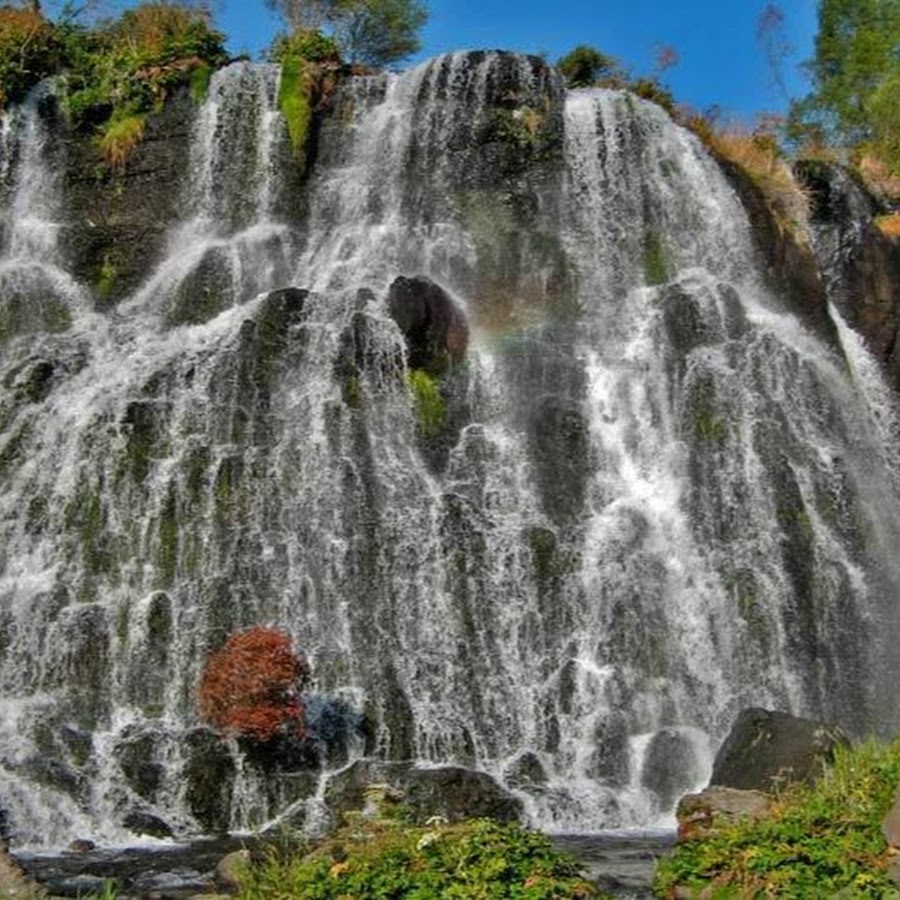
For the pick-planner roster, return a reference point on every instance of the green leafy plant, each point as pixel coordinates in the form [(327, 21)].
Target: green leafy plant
[(389, 857), (431, 411), (820, 841)]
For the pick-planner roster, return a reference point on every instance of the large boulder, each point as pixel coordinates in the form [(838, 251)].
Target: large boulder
[(435, 328), (698, 813), (671, 766), (767, 749), (453, 792)]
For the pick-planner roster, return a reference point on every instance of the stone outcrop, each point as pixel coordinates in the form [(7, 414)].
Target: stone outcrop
[(787, 258), (767, 749), (696, 813), (452, 792), (435, 328), (860, 264)]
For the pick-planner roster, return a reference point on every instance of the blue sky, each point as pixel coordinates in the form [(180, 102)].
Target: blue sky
[(721, 61)]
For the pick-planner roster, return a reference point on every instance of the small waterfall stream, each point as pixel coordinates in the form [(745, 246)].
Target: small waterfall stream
[(658, 499)]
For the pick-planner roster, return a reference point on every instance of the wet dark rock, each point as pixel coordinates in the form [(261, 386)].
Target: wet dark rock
[(435, 328), (765, 750), (560, 446), (670, 766), (788, 260), (209, 774), (526, 771), (146, 823), (81, 845), (859, 262), (137, 757), (119, 222), (610, 757), (450, 791)]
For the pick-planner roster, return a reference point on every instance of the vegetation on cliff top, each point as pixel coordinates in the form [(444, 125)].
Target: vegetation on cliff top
[(820, 841)]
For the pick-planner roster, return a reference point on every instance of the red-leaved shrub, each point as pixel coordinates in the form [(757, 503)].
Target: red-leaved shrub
[(251, 686)]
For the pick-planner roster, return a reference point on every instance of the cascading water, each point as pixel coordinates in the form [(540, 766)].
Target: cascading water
[(654, 499)]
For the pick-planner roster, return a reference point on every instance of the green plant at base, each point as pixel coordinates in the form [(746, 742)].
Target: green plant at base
[(107, 278), (431, 411), (817, 841), (387, 857)]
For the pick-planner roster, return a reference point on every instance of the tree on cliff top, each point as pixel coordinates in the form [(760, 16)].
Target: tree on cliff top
[(375, 32), (857, 54)]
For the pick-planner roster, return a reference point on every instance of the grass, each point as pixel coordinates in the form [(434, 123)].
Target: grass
[(119, 138), (889, 226), (818, 842), (389, 857), (758, 156), (431, 411), (295, 100), (876, 175)]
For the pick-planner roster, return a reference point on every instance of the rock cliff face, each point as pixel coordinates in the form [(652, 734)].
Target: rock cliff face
[(529, 426), (859, 263)]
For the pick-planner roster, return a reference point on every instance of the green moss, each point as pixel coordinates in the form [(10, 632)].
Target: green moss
[(86, 516), (294, 100), (387, 857), (709, 428), (431, 411), (655, 267), (106, 278), (199, 86), (167, 554), (119, 138), (352, 391), (820, 841)]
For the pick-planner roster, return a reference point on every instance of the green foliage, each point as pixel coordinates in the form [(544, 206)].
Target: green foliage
[(655, 269), (295, 99), (114, 74), (374, 32), (817, 842), (431, 411), (857, 49), (386, 857), (585, 66), (119, 137), (379, 32), (29, 51), (199, 84), (305, 43)]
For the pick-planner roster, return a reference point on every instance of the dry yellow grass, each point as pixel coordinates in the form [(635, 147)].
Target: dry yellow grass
[(119, 140), (757, 155), (889, 226), (877, 177)]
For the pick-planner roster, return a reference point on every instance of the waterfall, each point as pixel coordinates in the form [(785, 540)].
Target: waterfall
[(656, 498)]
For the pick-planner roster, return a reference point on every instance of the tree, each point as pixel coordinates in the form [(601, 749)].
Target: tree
[(380, 32), (770, 32), (857, 50), (585, 66), (251, 687), (376, 32), (304, 14)]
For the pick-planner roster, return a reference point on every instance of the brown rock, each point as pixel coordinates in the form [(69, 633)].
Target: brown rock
[(890, 827), (231, 868), (697, 813)]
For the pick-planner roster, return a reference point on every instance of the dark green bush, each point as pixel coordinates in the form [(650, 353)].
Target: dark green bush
[(305, 43)]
